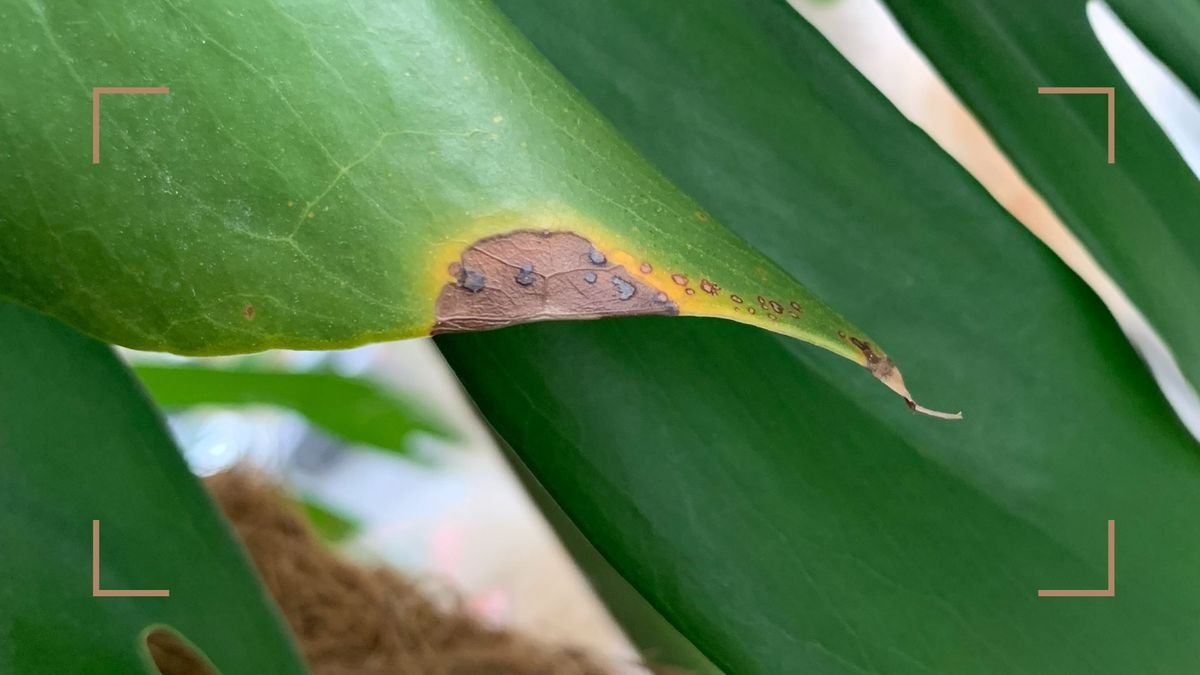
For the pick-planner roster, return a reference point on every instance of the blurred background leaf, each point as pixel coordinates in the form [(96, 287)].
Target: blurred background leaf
[(353, 409), (331, 526)]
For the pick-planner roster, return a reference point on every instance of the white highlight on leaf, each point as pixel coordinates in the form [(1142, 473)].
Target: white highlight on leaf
[(1169, 102), (871, 39)]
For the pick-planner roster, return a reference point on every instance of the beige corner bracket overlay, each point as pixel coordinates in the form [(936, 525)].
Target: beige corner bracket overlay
[(1111, 92), (96, 93), (1112, 574), (98, 592)]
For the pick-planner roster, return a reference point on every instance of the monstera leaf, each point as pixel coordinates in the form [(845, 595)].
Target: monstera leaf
[(1137, 216), (320, 175), (770, 508), (80, 442)]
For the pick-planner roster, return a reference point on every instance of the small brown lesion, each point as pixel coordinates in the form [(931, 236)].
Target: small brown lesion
[(248, 312), (880, 366), (525, 276)]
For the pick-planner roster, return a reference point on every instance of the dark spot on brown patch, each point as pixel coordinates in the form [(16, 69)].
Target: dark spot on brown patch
[(471, 280), (689, 291), (248, 312), (679, 279), (776, 307), (700, 215), (525, 275), (568, 283), (736, 298), (709, 287), (625, 290), (646, 268)]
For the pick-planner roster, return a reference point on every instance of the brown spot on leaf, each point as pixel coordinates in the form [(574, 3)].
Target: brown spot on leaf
[(709, 287), (248, 312), (679, 279), (646, 268), (689, 291), (701, 216), (736, 298), (880, 366), (487, 287), (775, 307), (471, 280), (796, 306), (625, 290), (525, 275)]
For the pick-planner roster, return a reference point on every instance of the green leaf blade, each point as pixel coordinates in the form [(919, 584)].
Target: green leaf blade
[(1137, 216), (768, 506), (244, 210), (79, 442), (1169, 29)]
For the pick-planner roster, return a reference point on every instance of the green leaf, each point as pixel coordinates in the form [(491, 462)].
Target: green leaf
[(1138, 216), (326, 174), (659, 643), (767, 505), (332, 527), (353, 409), (80, 442), (1169, 29)]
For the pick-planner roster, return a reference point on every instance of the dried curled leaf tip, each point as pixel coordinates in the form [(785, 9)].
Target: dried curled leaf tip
[(891, 377), (885, 370)]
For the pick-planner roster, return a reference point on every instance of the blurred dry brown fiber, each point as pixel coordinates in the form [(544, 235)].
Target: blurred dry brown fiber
[(355, 620)]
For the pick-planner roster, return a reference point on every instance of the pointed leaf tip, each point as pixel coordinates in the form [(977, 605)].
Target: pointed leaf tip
[(885, 371)]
